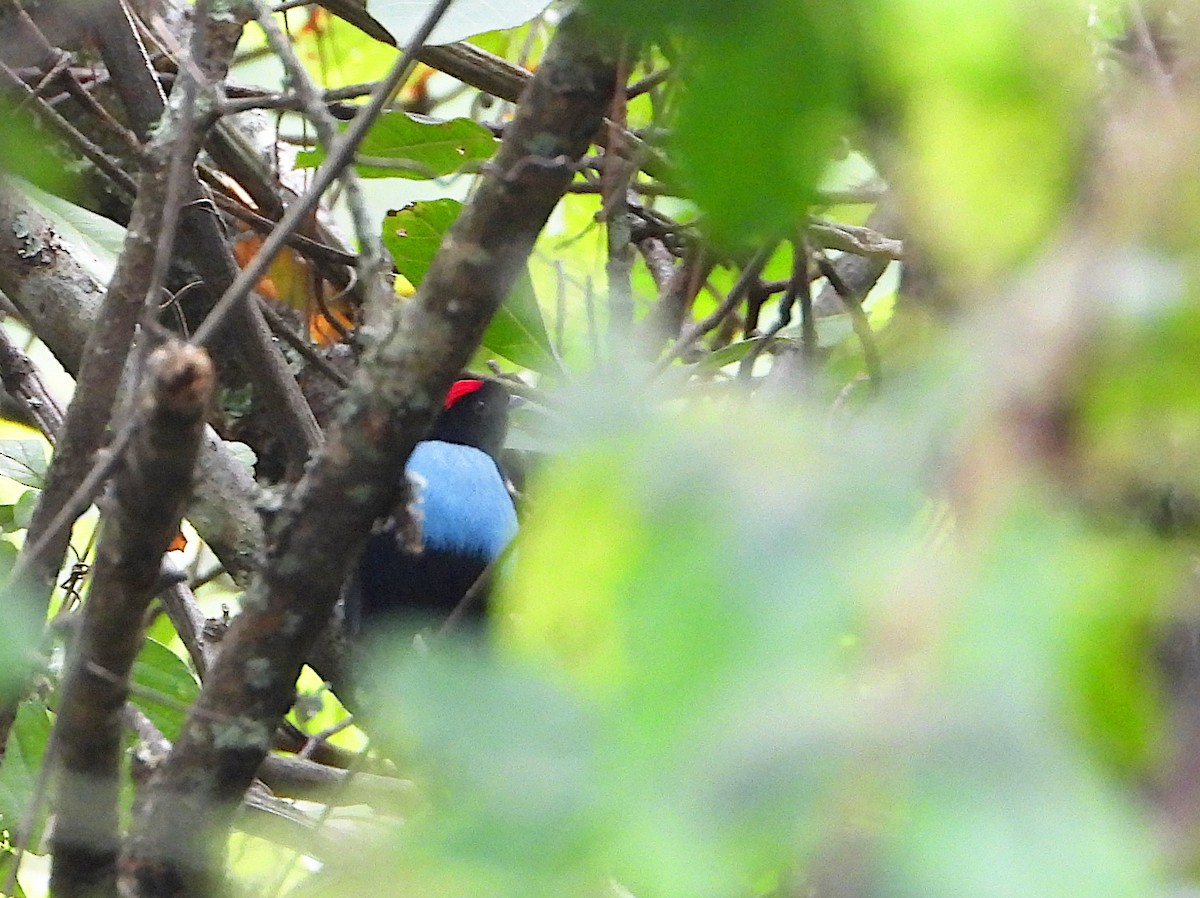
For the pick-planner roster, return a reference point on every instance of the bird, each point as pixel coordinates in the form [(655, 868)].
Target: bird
[(461, 501)]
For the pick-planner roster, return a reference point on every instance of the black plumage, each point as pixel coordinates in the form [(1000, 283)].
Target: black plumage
[(465, 511)]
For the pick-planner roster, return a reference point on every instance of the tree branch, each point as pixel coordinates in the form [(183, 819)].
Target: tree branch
[(245, 351), (23, 383), (191, 801), (141, 517), (60, 301)]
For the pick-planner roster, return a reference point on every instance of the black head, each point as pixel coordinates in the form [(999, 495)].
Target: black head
[(476, 414)]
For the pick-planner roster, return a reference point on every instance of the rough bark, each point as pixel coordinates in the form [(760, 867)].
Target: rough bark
[(141, 516), (189, 805)]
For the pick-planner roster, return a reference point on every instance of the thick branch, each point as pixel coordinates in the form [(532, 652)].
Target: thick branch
[(110, 342), (23, 383), (246, 348), (60, 301), (141, 517), (355, 479)]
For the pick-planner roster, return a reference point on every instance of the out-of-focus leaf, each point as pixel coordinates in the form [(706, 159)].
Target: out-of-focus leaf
[(23, 461), (23, 510), (356, 13), (1005, 784), (661, 612), (992, 112), (166, 687), (533, 768), (33, 154), (517, 331), (757, 654), (1140, 409), (25, 752), (420, 148), (781, 71), (1008, 814), (335, 52)]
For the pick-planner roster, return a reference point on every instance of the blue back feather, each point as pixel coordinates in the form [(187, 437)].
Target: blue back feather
[(462, 498)]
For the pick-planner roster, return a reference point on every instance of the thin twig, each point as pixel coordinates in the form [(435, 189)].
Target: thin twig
[(314, 107), (477, 590), (339, 156), (749, 274), (799, 286), (281, 329), (858, 318), (122, 183), (1145, 39), (22, 381)]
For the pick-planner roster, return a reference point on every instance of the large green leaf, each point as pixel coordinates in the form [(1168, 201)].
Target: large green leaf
[(781, 71), (23, 757), (23, 461), (165, 687), (517, 331), (96, 241), (413, 234), (415, 147)]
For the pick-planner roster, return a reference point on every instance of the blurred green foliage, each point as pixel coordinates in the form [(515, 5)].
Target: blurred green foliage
[(730, 657), (849, 648), (828, 641)]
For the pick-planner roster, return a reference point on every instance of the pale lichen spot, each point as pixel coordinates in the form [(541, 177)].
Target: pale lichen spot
[(291, 622), (258, 673), (240, 733)]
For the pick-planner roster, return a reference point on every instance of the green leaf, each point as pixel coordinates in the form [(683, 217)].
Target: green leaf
[(727, 355), (7, 513), (517, 331), (420, 148), (8, 557), (7, 859), (23, 461), (22, 761), (28, 150), (23, 510), (166, 687), (782, 71), (413, 234)]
